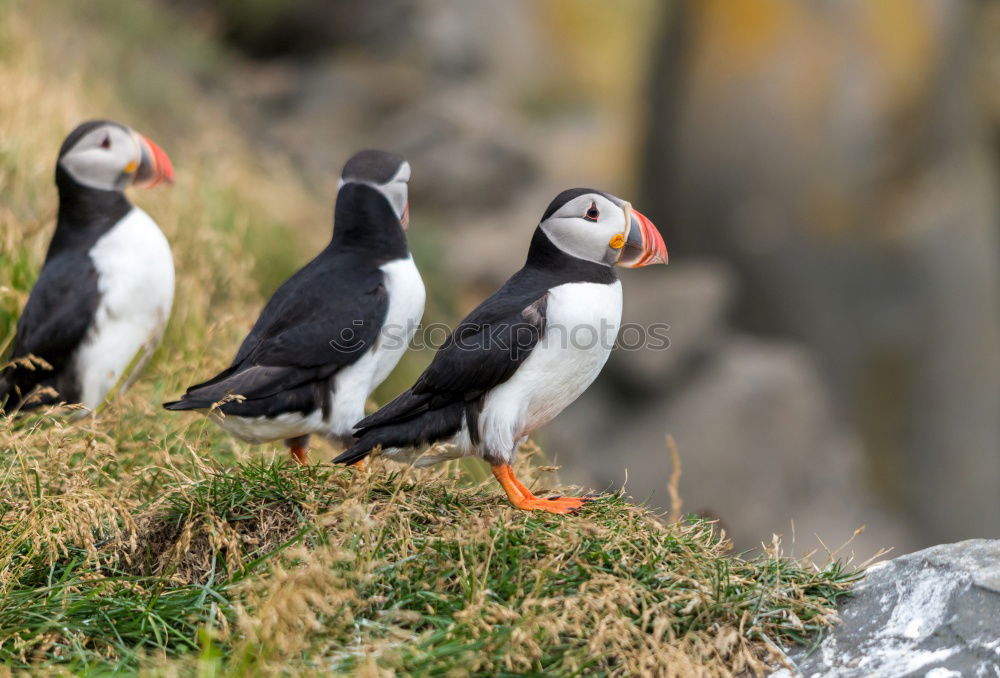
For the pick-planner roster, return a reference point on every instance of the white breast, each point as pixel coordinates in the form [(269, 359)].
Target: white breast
[(353, 384), (582, 321), (136, 281), (406, 293)]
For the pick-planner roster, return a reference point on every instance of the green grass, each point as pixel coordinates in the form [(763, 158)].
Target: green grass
[(261, 565)]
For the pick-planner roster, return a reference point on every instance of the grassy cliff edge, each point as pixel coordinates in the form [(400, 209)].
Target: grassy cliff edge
[(264, 567)]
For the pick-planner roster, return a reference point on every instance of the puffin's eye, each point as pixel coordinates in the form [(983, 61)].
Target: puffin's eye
[(593, 213), (106, 142)]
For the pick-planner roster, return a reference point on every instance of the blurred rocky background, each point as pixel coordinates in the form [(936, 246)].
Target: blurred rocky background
[(823, 172)]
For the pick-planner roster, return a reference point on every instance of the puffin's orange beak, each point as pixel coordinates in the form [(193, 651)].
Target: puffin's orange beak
[(644, 244), (154, 165)]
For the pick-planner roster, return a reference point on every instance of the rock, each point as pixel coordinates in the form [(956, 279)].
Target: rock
[(871, 241), (470, 161), (932, 613), (759, 443), (304, 28), (686, 302)]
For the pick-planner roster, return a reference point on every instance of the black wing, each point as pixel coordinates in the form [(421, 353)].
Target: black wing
[(55, 320), (484, 351), (320, 320)]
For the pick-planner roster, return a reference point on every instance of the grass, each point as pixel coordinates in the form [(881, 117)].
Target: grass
[(258, 567), (145, 542)]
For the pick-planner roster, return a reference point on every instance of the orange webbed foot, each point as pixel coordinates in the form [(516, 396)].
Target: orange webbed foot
[(560, 505), (521, 497)]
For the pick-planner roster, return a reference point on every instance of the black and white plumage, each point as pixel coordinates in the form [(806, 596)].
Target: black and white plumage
[(526, 352), (334, 330), (107, 285)]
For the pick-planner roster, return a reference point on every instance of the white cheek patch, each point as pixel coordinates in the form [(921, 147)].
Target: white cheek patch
[(396, 193), (100, 159), (403, 174), (576, 236), (95, 168), (583, 239), (396, 190)]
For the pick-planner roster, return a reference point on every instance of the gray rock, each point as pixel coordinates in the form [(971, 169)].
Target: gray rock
[(465, 162), (873, 242), (759, 444), (933, 613), (689, 300)]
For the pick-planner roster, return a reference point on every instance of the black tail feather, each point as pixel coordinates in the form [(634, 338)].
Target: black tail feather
[(257, 391), (184, 404), (354, 453), (427, 427)]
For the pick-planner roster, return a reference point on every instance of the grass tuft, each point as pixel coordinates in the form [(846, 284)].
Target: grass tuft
[(265, 566)]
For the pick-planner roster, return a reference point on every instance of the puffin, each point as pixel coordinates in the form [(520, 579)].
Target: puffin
[(525, 353), (104, 294), (333, 331)]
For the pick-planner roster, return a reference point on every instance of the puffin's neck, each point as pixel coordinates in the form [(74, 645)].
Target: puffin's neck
[(544, 256), (364, 222), (85, 214)]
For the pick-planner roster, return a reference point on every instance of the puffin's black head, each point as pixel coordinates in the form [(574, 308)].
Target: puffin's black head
[(600, 228), (388, 173), (372, 210), (107, 156)]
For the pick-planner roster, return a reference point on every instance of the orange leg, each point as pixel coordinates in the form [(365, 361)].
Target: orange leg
[(299, 454), (521, 497), (297, 446)]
